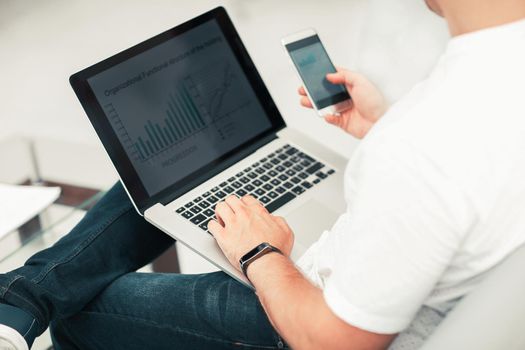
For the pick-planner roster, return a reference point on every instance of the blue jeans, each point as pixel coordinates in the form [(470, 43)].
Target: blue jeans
[(86, 288)]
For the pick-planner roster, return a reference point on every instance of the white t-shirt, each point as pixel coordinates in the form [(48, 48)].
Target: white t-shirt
[(435, 191)]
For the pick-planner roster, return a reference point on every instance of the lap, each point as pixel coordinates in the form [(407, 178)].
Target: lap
[(171, 311)]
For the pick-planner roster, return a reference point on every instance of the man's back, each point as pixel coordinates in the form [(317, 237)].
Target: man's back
[(435, 190), (468, 122)]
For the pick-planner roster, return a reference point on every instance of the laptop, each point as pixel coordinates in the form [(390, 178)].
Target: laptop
[(187, 120)]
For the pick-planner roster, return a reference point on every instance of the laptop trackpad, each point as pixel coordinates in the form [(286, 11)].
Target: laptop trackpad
[(310, 220)]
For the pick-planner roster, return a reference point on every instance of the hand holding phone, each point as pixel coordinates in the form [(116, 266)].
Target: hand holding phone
[(312, 62), (368, 104)]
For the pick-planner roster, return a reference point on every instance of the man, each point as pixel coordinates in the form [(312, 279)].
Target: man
[(435, 196)]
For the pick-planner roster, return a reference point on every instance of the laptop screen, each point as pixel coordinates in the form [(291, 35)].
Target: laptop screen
[(181, 106)]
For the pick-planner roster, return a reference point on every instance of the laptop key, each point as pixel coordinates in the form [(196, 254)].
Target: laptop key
[(198, 219), (288, 164), (298, 190), (231, 179), (244, 180), (283, 177), (280, 190), (298, 168), (264, 200), (291, 150), (280, 169), (272, 195), (314, 168), (330, 172), (307, 157), (236, 184), (260, 170), (249, 188), (220, 194), (197, 200), (204, 225), (213, 199), (303, 175), (268, 187), (275, 182), (204, 204), (295, 180), (252, 175), (290, 172), (215, 189), (241, 192), (223, 184), (189, 205), (306, 184), (209, 213), (288, 185), (260, 192), (187, 214), (279, 202), (321, 175), (228, 189), (267, 165), (257, 183), (180, 210), (265, 178), (206, 194), (272, 173), (196, 209)]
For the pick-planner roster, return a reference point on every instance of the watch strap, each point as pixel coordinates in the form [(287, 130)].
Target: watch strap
[(254, 254)]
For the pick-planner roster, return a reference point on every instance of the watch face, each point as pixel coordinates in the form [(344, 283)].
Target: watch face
[(254, 252), (253, 255)]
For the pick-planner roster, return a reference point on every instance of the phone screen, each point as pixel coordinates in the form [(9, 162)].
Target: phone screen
[(313, 63)]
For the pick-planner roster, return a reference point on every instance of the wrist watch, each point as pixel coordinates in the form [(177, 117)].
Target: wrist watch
[(254, 254)]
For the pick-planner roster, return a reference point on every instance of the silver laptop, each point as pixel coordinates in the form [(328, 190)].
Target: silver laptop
[(187, 120)]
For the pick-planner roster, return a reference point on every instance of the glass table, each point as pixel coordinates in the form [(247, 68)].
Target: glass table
[(57, 164), (22, 163)]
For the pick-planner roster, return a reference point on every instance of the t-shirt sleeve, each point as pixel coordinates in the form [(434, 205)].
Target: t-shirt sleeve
[(403, 225)]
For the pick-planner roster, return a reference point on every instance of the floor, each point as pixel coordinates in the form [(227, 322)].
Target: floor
[(395, 43)]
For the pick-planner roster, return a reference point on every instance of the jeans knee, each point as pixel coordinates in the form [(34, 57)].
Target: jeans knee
[(63, 335)]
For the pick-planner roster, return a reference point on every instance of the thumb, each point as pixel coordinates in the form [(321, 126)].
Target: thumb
[(333, 119), (343, 76), (336, 78)]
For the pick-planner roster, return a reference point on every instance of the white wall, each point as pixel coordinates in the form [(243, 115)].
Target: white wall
[(395, 42)]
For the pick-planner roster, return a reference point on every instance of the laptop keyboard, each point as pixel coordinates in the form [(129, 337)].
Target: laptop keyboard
[(274, 180)]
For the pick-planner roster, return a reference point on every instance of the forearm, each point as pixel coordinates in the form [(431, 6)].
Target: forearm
[(295, 307), (298, 311), (278, 283)]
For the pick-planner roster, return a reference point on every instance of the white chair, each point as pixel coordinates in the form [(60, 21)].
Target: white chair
[(492, 317)]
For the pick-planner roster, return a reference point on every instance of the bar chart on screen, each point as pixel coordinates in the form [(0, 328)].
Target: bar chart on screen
[(197, 103), (181, 120)]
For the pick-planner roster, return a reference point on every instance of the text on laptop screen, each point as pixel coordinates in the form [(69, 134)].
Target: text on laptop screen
[(180, 105)]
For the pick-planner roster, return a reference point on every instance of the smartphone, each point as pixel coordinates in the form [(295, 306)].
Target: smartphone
[(312, 62)]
